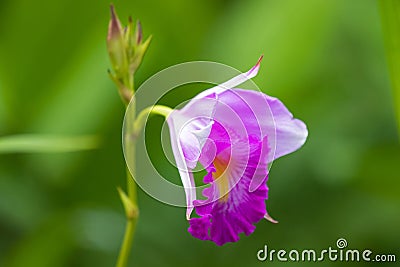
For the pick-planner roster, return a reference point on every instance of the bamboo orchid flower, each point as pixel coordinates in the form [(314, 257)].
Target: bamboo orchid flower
[(235, 134)]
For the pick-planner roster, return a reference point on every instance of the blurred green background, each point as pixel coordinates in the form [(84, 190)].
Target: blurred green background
[(324, 59)]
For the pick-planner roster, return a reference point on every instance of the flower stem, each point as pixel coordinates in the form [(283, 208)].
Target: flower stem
[(132, 217), (126, 49), (129, 201), (127, 243), (133, 127), (145, 113)]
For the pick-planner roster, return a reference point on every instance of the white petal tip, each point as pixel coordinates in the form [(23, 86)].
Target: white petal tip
[(269, 218), (188, 213), (254, 70)]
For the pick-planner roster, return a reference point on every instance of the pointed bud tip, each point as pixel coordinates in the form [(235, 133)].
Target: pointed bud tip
[(112, 11), (114, 28), (139, 32)]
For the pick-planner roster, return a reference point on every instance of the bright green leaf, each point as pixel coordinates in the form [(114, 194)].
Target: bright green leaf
[(30, 143)]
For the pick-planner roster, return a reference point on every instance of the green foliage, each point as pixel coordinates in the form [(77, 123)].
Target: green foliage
[(390, 12), (324, 59), (46, 144)]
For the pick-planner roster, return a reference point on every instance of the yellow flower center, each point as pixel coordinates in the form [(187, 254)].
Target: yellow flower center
[(220, 176)]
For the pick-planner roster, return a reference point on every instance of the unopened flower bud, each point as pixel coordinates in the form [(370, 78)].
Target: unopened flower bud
[(116, 45), (126, 50), (139, 51)]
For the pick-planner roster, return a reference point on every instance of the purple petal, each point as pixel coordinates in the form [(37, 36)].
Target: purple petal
[(232, 83), (223, 218), (186, 176), (262, 116), (259, 114), (199, 227), (209, 128), (189, 129), (290, 133), (241, 78)]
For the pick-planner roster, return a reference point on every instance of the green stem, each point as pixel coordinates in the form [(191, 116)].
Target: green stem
[(145, 113), (132, 215), (133, 127), (129, 201)]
